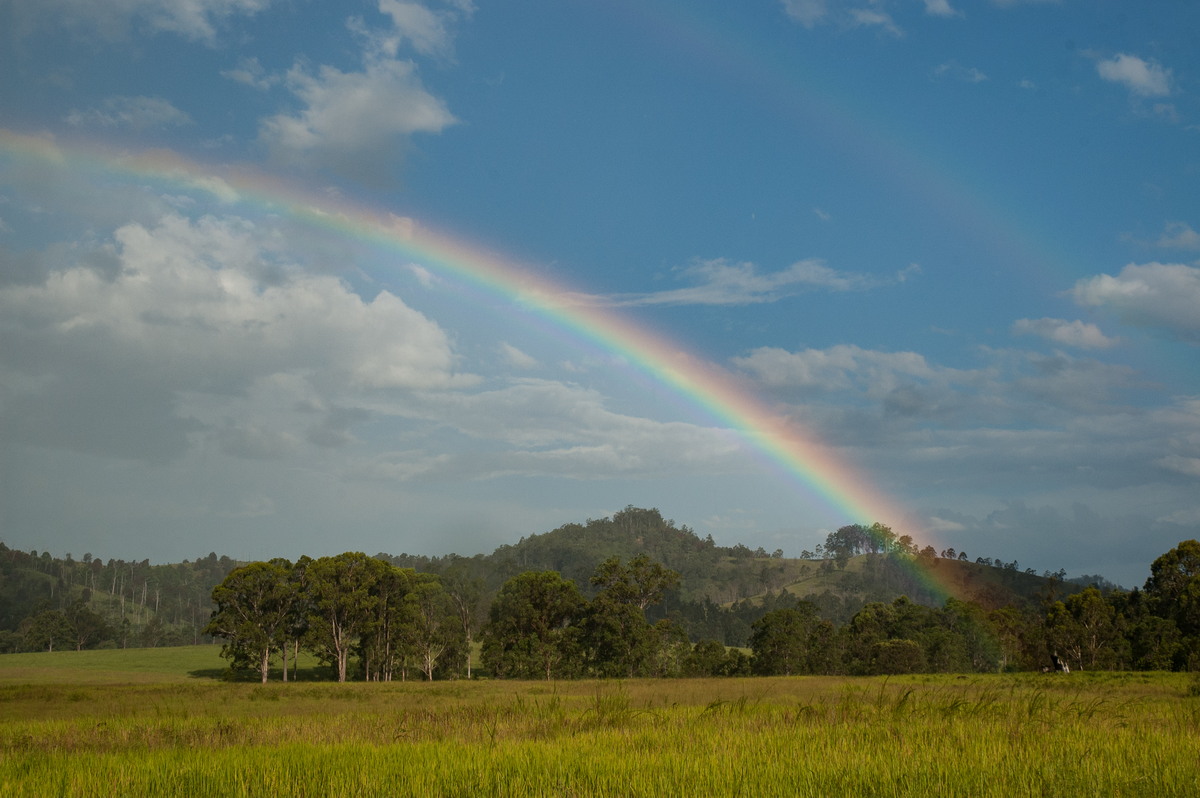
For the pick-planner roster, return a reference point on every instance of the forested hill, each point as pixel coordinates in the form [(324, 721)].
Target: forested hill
[(722, 589), (855, 566)]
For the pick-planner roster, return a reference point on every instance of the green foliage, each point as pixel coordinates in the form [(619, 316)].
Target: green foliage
[(255, 607), (529, 633), (790, 641)]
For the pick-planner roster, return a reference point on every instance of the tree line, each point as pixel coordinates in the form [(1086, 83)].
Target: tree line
[(49, 603), (540, 625)]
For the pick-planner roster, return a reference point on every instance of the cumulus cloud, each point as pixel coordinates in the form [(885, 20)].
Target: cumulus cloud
[(1143, 78), (1069, 333), (138, 113), (192, 19), (722, 282), (107, 362), (354, 123), (1163, 296)]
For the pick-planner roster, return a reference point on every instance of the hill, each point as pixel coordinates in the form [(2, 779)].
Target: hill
[(722, 589)]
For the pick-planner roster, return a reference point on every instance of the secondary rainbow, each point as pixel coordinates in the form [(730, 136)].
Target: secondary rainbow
[(821, 472)]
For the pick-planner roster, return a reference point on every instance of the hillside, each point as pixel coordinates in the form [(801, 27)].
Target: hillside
[(722, 589)]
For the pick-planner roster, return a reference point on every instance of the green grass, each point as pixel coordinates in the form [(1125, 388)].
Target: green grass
[(163, 732)]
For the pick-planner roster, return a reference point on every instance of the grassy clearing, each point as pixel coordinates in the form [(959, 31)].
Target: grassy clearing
[(1083, 734)]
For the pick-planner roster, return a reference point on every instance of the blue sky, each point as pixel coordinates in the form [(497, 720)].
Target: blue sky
[(956, 242)]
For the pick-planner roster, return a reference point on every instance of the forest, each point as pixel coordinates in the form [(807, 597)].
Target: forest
[(631, 595)]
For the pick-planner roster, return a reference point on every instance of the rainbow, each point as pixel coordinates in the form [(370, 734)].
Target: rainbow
[(817, 469)]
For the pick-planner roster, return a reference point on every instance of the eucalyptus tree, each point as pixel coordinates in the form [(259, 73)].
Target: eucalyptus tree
[(431, 625), (528, 634), (254, 605), (344, 599)]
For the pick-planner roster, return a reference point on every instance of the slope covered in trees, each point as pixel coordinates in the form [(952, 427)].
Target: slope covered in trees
[(721, 593)]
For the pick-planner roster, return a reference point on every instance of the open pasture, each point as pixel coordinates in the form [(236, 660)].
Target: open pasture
[(171, 728)]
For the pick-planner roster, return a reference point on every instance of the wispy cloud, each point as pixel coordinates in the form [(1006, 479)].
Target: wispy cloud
[(138, 113), (941, 8), (952, 70), (1179, 235), (721, 282), (193, 19)]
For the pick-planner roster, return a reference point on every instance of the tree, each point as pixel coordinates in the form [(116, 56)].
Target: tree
[(898, 655), (344, 602), (618, 639), (1174, 591), (431, 624), (707, 658), (781, 641), (641, 582), (89, 627), (527, 635), (1084, 630), (382, 639), (253, 611), (44, 630), (465, 593)]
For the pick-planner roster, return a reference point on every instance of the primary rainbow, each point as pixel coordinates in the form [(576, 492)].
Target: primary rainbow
[(815, 467)]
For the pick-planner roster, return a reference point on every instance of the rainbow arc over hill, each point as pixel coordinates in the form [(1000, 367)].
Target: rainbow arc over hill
[(819, 471)]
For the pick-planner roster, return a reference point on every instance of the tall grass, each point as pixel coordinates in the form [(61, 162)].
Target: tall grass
[(1100, 734)]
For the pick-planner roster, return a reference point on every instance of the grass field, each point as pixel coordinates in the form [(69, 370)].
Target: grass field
[(159, 722)]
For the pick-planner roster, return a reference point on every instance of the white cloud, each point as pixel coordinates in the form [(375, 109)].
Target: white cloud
[(354, 123), (427, 30), (192, 19), (955, 71), (138, 113), (515, 357), (251, 73), (1069, 333), (875, 17), (837, 368), (1143, 78), (1179, 235), (940, 8), (547, 428), (1189, 466), (811, 13), (807, 12), (720, 282), (122, 363), (1159, 295)]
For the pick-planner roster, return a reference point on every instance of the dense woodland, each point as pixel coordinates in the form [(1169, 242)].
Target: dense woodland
[(631, 595)]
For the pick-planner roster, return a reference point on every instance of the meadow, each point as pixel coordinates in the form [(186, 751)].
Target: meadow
[(161, 722)]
